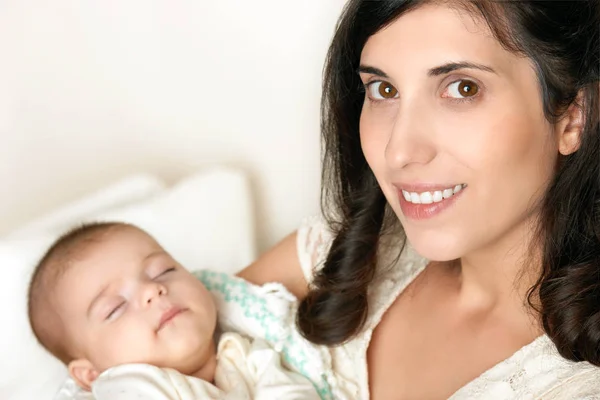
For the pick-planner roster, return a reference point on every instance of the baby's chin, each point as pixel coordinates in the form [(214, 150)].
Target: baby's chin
[(184, 353)]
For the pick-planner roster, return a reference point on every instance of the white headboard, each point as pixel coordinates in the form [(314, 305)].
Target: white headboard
[(91, 91)]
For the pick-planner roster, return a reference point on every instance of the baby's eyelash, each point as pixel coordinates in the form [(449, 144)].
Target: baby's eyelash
[(109, 316), (166, 271)]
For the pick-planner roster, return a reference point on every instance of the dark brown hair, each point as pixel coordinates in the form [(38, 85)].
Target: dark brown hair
[(562, 40)]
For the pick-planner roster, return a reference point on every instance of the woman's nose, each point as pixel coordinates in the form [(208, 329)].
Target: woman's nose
[(410, 140)]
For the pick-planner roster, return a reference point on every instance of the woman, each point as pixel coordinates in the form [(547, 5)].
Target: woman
[(470, 129)]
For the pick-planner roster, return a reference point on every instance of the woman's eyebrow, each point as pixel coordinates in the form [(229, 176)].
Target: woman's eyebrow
[(366, 69), (437, 71), (453, 66)]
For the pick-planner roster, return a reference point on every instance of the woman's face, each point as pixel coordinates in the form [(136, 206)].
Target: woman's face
[(454, 131)]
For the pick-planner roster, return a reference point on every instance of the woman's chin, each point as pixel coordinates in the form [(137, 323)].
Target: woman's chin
[(436, 248)]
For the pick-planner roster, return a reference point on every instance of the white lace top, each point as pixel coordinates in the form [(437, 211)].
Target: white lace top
[(536, 371)]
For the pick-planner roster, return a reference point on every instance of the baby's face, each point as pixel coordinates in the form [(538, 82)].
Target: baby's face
[(128, 301)]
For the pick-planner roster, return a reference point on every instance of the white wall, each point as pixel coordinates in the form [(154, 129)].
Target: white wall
[(93, 90)]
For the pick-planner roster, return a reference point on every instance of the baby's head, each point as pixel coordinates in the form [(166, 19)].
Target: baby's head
[(106, 294)]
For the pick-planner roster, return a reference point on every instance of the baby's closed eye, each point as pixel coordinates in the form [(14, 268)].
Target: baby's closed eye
[(113, 310)]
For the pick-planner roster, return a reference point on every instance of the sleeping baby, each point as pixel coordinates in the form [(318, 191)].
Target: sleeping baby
[(130, 322)]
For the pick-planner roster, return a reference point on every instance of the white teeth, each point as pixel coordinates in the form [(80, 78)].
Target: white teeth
[(431, 197), (426, 198), (415, 198)]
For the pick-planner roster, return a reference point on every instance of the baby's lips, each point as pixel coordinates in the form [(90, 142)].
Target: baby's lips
[(168, 315)]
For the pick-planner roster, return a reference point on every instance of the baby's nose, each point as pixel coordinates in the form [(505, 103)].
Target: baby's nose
[(152, 292)]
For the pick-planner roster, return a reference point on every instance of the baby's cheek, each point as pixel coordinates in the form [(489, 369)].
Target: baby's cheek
[(102, 355), (126, 345)]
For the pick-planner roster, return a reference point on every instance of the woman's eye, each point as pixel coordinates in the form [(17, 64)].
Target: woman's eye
[(462, 89), (381, 90)]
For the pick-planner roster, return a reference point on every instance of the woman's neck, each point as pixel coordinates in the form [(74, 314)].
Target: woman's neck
[(498, 278)]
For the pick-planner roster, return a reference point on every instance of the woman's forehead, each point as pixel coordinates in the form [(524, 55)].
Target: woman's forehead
[(433, 35)]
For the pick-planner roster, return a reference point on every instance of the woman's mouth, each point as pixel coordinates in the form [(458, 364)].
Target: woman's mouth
[(430, 197), (420, 205)]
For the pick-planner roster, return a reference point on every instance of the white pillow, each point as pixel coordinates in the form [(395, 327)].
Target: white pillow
[(205, 221), (127, 191)]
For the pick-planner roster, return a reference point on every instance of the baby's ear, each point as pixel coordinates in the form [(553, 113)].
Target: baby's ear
[(83, 372)]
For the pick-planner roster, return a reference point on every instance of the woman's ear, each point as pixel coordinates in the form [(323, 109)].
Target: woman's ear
[(83, 372), (570, 127)]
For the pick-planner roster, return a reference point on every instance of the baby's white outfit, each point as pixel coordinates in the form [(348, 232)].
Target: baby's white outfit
[(245, 370)]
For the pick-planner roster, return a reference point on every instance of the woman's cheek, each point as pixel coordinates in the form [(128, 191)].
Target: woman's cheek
[(374, 134)]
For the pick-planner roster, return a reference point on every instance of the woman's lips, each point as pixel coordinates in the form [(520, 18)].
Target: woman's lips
[(426, 211)]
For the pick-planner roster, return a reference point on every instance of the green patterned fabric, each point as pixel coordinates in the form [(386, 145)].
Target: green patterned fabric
[(268, 312)]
